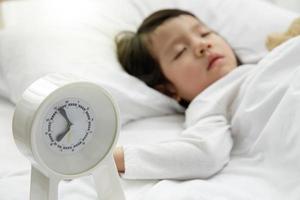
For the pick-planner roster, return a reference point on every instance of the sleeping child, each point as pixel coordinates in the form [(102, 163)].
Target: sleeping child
[(177, 54)]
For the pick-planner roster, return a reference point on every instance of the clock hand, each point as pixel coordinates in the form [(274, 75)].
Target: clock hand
[(60, 136), (68, 135), (64, 114)]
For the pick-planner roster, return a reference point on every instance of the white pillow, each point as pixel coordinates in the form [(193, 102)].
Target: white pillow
[(39, 38), (77, 36), (289, 4)]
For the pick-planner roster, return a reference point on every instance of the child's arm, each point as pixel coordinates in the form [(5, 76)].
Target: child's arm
[(201, 152)]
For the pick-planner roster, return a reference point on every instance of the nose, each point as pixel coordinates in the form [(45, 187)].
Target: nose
[(201, 48)]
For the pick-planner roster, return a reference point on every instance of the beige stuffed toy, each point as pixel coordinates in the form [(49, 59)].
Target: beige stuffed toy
[(275, 39)]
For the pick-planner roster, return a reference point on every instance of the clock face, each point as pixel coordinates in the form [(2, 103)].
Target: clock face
[(68, 126)]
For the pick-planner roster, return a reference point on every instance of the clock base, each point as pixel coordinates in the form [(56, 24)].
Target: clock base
[(43, 187), (106, 179)]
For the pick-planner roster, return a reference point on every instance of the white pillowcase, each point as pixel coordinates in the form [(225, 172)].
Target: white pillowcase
[(77, 36), (289, 4), (39, 38)]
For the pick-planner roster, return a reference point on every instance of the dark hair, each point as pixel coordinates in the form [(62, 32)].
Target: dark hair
[(133, 53)]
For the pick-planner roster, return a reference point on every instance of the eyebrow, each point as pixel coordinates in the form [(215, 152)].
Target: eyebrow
[(178, 38)]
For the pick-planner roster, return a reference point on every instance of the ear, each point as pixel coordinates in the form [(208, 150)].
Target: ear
[(169, 90)]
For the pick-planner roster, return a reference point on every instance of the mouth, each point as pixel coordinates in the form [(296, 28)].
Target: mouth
[(213, 60)]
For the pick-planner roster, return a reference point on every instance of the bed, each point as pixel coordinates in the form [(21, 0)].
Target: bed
[(37, 38), (15, 168)]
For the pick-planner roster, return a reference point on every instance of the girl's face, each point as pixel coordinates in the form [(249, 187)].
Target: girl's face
[(191, 55)]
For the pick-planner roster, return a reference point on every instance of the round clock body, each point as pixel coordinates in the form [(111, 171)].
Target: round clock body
[(66, 125)]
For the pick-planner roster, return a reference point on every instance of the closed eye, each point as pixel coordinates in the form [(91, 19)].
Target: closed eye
[(179, 53), (206, 34)]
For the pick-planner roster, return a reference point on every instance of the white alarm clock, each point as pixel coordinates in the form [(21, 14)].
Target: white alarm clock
[(68, 128)]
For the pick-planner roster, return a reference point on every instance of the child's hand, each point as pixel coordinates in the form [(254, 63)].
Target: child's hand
[(119, 159)]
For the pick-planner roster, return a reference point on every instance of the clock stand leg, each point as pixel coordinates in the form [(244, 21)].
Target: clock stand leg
[(43, 187), (107, 181)]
